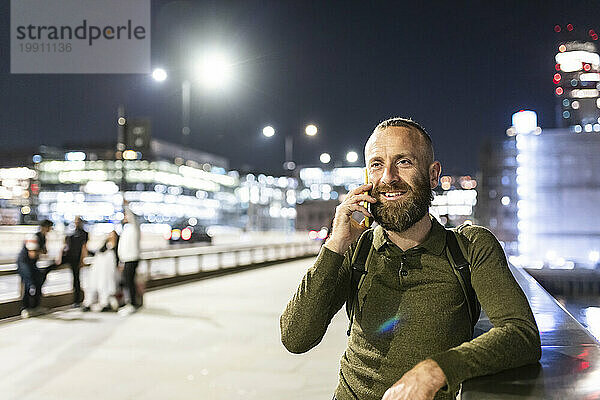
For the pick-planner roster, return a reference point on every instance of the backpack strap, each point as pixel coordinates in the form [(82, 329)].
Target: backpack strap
[(460, 267), (358, 264), (462, 270)]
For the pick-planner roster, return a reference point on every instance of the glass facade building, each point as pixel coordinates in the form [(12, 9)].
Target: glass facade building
[(558, 189), (539, 192)]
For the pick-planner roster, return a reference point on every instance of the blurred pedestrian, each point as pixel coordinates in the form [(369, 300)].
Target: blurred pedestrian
[(102, 276), (31, 276), (45, 227), (129, 254), (74, 252)]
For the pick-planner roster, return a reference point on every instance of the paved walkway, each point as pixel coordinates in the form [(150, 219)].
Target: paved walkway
[(209, 340)]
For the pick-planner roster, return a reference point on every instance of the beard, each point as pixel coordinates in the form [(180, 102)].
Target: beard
[(399, 215)]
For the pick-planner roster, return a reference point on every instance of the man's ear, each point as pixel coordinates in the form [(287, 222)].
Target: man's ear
[(435, 170)]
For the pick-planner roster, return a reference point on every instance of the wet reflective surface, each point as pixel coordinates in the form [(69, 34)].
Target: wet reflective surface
[(570, 363)]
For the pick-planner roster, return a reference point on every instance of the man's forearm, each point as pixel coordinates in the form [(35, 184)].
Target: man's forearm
[(514, 340), (307, 315), (501, 348)]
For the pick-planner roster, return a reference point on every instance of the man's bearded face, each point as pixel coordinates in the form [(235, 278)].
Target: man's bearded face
[(400, 205)]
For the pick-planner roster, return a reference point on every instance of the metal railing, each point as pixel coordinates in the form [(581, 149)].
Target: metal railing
[(569, 283), (171, 266), (568, 368)]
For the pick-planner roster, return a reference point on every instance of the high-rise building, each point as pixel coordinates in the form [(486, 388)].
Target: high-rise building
[(497, 191), (577, 79), (558, 191), (538, 193)]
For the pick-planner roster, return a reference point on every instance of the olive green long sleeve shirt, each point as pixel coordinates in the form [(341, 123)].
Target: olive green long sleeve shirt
[(409, 314)]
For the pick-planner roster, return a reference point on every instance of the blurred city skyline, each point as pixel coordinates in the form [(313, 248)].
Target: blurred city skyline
[(460, 71)]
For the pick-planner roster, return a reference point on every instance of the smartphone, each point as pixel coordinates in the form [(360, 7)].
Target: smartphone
[(366, 204)]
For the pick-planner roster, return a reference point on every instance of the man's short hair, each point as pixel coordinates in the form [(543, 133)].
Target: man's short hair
[(46, 223), (409, 124)]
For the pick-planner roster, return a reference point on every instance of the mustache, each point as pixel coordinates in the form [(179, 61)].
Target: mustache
[(397, 187)]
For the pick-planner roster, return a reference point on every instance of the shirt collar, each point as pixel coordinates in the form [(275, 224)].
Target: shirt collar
[(434, 242)]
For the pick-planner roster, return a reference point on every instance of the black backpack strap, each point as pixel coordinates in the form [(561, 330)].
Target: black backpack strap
[(358, 266), (462, 269)]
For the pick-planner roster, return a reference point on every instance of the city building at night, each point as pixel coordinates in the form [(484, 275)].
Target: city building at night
[(164, 185), (543, 188), (497, 189), (455, 200), (577, 79)]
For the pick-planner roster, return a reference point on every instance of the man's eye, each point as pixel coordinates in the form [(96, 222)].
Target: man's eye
[(375, 165), (404, 161)]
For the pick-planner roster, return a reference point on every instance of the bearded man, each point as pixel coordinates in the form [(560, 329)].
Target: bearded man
[(411, 334)]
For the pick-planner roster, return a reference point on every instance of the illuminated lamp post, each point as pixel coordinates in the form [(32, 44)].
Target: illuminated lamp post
[(352, 157), (214, 71), (289, 164)]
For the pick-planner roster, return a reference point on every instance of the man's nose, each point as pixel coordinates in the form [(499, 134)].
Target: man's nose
[(390, 175)]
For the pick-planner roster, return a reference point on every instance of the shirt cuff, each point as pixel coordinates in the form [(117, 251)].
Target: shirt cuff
[(454, 368), (329, 257)]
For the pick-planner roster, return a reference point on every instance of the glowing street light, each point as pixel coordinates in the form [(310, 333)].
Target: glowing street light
[(352, 157), (289, 164), (215, 70), (268, 131), (159, 74), (311, 130)]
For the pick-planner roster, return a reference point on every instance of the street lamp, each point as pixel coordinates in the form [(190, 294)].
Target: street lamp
[(159, 74), (310, 130), (325, 158), (351, 157), (289, 164), (268, 131), (214, 71)]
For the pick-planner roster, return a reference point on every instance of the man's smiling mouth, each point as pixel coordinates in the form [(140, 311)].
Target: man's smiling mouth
[(392, 195)]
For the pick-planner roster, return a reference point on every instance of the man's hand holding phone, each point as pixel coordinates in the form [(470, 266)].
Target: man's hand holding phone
[(346, 229)]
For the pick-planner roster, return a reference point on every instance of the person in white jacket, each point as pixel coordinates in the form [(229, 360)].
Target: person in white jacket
[(129, 254), (102, 277)]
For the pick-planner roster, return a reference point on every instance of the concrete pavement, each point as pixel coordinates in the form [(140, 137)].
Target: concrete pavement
[(213, 339)]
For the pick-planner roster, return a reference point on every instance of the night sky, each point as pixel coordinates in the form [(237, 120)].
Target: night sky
[(459, 69)]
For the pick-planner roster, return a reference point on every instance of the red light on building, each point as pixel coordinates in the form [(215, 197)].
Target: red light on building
[(556, 28), (559, 91), (587, 67), (569, 27), (35, 189), (557, 78), (595, 36), (583, 365), (557, 67), (591, 32)]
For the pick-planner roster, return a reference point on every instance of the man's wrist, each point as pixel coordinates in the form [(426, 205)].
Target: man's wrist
[(436, 373)]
